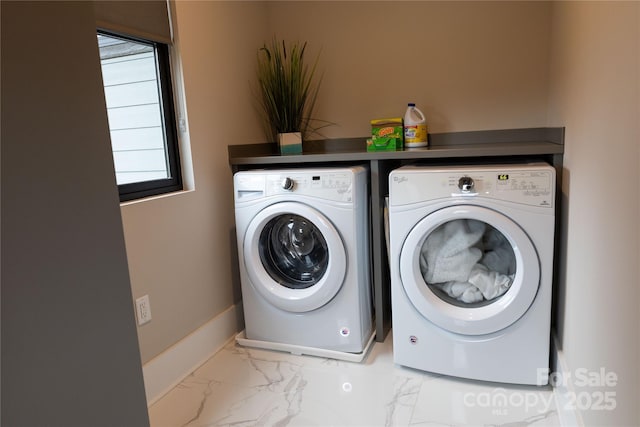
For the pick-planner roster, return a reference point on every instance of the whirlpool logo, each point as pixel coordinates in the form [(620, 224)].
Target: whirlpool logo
[(398, 179)]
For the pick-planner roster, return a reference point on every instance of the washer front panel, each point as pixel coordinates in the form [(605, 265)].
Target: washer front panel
[(470, 319), (314, 286)]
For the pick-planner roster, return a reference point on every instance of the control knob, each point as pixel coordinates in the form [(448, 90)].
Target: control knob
[(465, 184), (287, 184)]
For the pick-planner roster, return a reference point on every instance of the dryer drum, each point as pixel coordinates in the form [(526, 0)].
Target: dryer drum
[(293, 251), (467, 262)]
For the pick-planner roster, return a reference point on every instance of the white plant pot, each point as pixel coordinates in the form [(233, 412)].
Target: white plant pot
[(290, 143)]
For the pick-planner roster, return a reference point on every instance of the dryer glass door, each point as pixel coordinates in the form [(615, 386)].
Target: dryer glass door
[(469, 269), (294, 256)]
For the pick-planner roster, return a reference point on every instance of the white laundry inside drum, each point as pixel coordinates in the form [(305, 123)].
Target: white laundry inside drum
[(467, 262)]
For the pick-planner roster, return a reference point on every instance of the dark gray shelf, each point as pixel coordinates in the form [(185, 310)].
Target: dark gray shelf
[(511, 142), (490, 146)]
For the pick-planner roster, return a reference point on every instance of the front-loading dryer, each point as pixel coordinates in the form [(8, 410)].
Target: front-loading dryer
[(304, 257), (471, 260)]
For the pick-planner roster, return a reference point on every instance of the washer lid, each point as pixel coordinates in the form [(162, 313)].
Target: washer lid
[(294, 257), (469, 269)]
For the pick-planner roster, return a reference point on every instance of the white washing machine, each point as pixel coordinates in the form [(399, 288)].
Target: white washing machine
[(471, 252), (303, 242)]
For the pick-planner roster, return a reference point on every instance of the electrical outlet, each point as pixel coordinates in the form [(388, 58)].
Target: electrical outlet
[(143, 309)]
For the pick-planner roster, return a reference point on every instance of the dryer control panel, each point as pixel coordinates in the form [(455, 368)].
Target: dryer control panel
[(532, 185)]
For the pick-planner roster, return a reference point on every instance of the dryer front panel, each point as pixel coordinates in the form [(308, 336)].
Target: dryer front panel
[(469, 269), (294, 257)]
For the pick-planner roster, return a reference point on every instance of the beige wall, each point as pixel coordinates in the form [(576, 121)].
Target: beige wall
[(467, 65), (594, 93), (69, 347), (180, 248)]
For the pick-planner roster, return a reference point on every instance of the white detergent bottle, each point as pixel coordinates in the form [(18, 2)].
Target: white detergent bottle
[(415, 127)]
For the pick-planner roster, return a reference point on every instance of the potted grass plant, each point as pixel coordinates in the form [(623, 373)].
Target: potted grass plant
[(287, 93)]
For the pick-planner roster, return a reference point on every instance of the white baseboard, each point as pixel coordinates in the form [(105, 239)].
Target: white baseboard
[(169, 368), (567, 412)]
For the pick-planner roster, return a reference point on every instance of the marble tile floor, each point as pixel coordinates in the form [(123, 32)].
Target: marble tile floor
[(242, 386)]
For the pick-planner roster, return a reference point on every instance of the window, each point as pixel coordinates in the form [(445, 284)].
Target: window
[(137, 84)]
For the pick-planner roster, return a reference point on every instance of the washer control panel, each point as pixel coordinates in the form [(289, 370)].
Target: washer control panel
[(287, 184), (328, 185)]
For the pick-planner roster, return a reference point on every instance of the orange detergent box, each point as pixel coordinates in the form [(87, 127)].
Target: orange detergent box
[(386, 135)]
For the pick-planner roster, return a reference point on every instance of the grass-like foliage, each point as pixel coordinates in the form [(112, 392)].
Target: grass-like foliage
[(287, 90)]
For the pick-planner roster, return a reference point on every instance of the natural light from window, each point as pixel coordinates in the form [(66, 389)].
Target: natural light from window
[(130, 77)]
